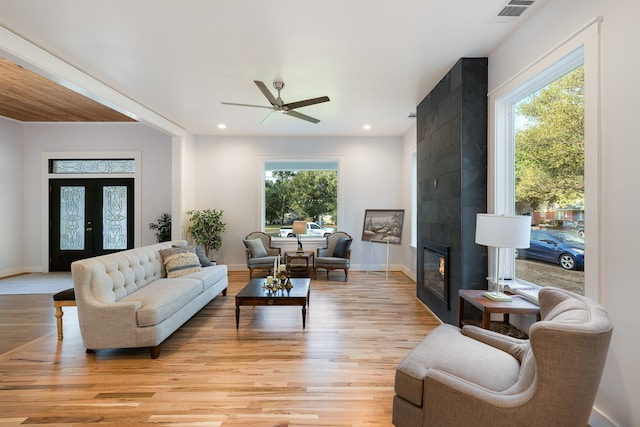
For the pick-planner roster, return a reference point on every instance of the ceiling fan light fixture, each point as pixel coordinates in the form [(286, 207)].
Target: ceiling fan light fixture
[(278, 105)]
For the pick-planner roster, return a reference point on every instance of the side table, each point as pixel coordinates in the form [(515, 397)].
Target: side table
[(487, 306), (307, 256)]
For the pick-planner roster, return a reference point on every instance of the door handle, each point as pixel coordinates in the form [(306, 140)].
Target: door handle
[(89, 229)]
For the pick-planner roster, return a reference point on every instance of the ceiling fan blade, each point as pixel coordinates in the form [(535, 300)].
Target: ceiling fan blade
[(306, 102), (301, 116), (246, 105), (266, 92), (267, 117)]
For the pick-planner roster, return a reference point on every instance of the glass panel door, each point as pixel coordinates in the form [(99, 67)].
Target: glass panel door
[(88, 217)]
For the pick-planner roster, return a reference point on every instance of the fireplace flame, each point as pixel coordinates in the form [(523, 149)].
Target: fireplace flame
[(441, 268)]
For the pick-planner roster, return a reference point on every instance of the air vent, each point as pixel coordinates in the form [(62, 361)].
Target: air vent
[(521, 2), (515, 8)]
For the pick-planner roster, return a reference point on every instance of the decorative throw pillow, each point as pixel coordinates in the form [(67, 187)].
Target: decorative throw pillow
[(202, 256), (182, 263), (342, 247), (256, 247), (166, 253)]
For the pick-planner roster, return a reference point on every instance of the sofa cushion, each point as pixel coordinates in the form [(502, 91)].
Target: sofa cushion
[(256, 247), (342, 247), (209, 275), (181, 264), (446, 349), (160, 299)]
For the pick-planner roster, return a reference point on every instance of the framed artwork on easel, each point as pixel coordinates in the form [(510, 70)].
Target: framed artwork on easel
[(383, 226)]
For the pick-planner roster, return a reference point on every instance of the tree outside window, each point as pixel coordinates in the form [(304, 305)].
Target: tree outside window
[(306, 195), (549, 181)]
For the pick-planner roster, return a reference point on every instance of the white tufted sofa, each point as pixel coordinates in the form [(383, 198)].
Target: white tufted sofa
[(125, 300)]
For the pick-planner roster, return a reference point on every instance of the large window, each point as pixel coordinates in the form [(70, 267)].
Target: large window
[(300, 190), (543, 163), (548, 143)]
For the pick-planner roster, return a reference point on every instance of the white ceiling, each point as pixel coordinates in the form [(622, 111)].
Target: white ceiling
[(375, 60)]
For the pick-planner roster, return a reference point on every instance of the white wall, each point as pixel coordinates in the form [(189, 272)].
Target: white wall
[(371, 177), (409, 255), (11, 196), (155, 149), (619, 150)]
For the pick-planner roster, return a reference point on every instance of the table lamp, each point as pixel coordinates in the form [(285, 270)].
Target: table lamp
[(299, 228), (502, 231)]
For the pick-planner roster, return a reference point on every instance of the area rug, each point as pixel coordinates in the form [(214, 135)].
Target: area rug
[(36, 283)]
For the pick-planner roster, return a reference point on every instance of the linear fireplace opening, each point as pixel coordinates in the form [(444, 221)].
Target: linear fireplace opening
[(435, 277)]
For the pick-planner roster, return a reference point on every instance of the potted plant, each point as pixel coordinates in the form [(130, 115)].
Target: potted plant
[(206, 228), (162, 227)]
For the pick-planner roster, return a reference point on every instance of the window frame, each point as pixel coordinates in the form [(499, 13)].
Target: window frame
[(582, 46), (293, 160)]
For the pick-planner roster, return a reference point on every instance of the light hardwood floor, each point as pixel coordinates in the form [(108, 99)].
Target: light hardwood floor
[(339, 371)]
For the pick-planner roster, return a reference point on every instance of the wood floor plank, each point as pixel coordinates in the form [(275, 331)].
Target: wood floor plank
[(339, 371)]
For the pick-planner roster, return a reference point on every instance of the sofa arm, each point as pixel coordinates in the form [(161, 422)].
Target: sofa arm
[(322, 252), (109, 325)]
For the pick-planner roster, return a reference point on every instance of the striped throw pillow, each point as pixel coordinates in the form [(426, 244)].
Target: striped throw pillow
[(181, 264)]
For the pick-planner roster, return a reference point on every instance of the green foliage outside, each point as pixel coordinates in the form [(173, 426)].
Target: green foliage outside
[(303, 195), (549, 159)]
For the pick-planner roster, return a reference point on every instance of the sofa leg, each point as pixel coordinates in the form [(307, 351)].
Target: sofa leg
[(59, 315), (154, 351), (90, 351), (224, 292)]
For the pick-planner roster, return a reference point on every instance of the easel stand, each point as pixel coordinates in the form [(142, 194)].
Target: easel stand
[(371, 253)]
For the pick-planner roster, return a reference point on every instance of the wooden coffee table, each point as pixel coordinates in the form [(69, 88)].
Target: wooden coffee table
[(253, 294)]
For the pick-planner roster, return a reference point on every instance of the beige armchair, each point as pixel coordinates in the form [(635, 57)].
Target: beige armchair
[(260, 253), (336, 255), (478, 377)]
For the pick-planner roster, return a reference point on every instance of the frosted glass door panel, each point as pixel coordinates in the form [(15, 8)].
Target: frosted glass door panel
[(72, 217), (114, 217)]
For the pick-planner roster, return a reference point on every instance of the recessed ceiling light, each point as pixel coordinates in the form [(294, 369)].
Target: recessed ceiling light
[(222, 126), (366, 127)]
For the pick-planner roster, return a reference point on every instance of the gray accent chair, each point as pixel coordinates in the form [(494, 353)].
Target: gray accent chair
[(327, 258), (261, 262), (476, 377)]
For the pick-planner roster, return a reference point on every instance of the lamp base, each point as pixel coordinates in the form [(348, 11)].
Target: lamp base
[(495, 296)]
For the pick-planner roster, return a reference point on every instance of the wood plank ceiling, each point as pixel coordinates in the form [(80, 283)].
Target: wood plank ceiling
[(29, 97)]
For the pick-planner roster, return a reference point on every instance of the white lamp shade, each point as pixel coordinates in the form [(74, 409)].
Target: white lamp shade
[(503, 231)]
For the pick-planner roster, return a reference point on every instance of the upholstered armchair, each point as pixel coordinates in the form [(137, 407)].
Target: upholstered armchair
[(473, 376), (336, 254), (260, 253)]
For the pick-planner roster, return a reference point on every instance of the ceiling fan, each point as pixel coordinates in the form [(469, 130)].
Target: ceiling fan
[(278, 105)]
